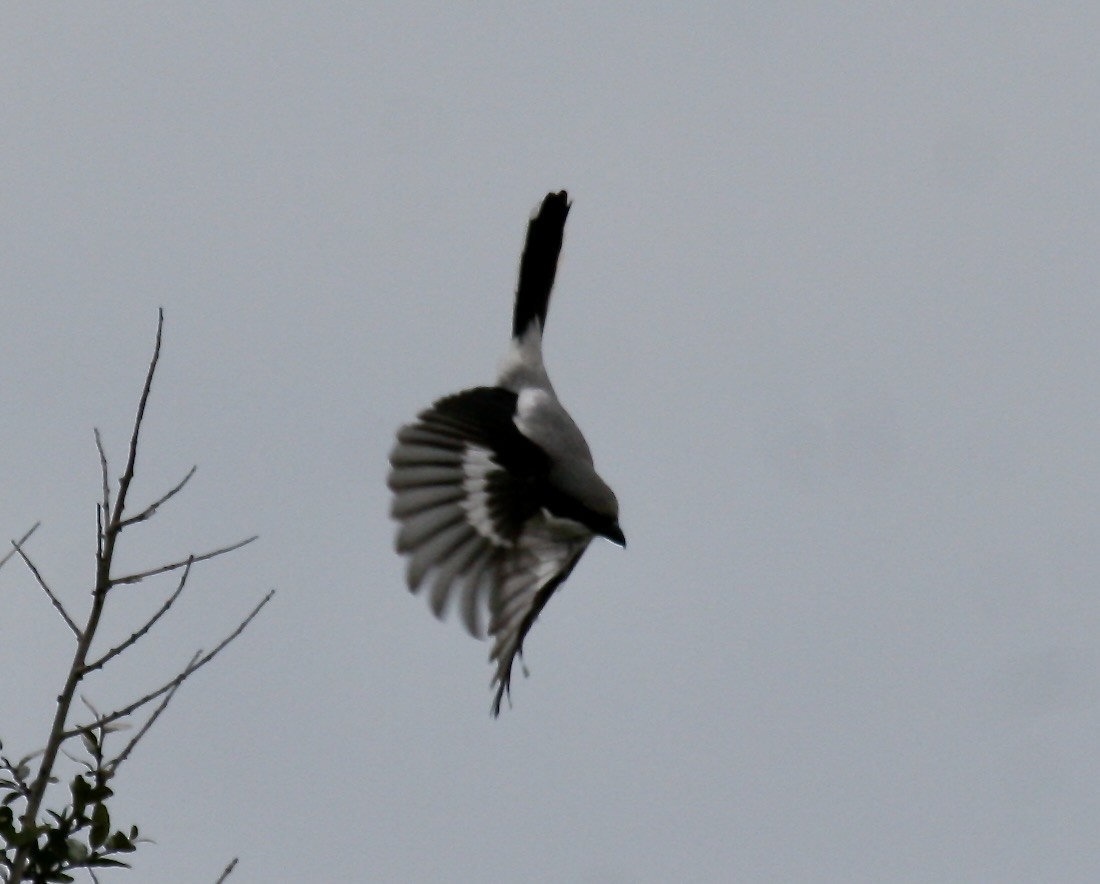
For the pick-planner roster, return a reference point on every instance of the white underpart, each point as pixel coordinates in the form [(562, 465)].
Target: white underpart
[(477, 463)]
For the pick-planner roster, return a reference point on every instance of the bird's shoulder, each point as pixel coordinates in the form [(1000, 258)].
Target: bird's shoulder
[(486, 417)]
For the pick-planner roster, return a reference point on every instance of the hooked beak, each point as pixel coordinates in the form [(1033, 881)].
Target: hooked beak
[(615, 534)]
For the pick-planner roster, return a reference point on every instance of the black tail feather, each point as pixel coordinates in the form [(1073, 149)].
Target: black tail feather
[(539, 263)]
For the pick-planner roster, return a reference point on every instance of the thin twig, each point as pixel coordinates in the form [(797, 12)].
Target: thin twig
[(227, 871), (182, 563), (137, 635), (46, 589), (103, 470), (125, 753), (184, 674), (151, 510), (19, 543), (103, 508), (128, 474)]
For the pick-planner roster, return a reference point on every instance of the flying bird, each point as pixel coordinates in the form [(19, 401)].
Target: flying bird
[(494, 487)]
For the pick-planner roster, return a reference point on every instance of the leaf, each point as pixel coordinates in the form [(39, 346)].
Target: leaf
[(119, 843), (76, 849), (28, 836), (101, 792), (101, 825), (7, 824), (90, 743), (107, 861), (81, 789)]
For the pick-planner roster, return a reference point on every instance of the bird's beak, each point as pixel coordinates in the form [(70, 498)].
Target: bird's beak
[(615, 535)]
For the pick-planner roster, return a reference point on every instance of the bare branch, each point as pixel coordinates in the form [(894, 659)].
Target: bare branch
[(46, 589), (125, 753), (103, 508), (103, 470), (151, 510), (227, 871), (19, 543), (115, 524), (184, 674), (137, 635), (108, 534), (112, 518), (182, 563)]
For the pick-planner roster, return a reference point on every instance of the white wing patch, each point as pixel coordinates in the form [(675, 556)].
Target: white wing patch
[(477, 463)]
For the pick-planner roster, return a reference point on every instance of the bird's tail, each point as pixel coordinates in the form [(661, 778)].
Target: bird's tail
[(539, 263)]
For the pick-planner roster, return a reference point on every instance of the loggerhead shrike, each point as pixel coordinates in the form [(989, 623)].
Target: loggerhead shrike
[(494, 487)]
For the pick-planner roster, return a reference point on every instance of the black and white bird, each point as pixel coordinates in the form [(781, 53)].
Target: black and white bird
[(494, 487)]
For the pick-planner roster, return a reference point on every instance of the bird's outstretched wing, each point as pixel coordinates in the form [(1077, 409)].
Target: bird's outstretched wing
[(467, 489), (462, 478)]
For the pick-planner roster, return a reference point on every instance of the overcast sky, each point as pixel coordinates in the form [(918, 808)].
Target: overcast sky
[(827, 313)]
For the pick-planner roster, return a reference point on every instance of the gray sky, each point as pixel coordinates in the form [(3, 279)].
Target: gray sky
[(827, 314)]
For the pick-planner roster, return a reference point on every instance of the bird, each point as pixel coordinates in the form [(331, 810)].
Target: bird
[(494, 488)]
